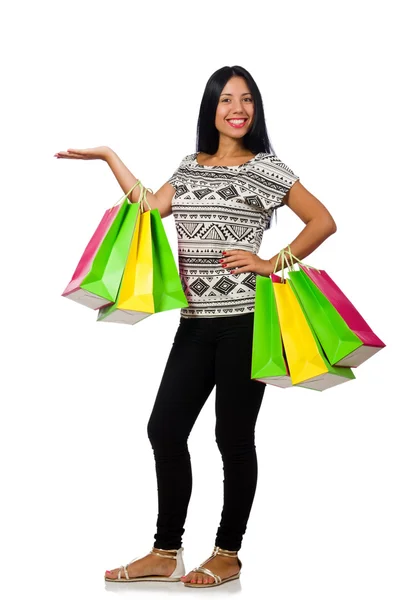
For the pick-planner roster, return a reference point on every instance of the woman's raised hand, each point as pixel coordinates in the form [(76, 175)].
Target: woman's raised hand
[(101, 153)]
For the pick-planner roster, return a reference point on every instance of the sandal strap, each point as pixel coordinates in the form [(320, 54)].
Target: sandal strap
[(217, 578), (221, 552), (153, 551), (125, 573), (124, 567)]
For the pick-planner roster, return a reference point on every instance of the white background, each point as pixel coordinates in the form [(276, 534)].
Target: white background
[(77, 475)]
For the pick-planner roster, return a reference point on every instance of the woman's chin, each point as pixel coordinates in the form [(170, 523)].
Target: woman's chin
[(234, 133)]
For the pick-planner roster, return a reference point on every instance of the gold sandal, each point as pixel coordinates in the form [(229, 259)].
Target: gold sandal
[(218, 579), (176, 575)]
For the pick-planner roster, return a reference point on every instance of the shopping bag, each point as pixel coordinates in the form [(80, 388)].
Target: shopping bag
[(337, 339), (134, 301), (73, 291), (306, 360), (109, 263), (167, 286), (269, 364), (268, 361), (94, 279), (149, 283), (371, 344)]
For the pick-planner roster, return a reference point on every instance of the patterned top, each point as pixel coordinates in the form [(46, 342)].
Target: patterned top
[(220, 208)]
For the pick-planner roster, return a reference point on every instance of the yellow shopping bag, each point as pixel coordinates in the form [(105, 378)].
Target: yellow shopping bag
[(134, 301), (136, 291), (303, 357), (307, 363)]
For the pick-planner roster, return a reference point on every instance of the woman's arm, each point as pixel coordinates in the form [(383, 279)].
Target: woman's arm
[(319, 226), (161, 199), (319, 222)]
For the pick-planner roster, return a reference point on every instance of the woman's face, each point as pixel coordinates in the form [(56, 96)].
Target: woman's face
[(235, 111)]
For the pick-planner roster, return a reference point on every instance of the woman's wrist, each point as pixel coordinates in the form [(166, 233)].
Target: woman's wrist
[(265, 268), (277, 260), (108, 153)]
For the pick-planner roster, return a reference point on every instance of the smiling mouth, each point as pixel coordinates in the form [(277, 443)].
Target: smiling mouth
[(237, 123)]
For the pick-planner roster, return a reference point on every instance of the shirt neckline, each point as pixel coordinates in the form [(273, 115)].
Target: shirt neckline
[(225, 166)]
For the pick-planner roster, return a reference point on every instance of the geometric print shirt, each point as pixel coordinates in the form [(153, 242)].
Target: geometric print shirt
[(220, 208)]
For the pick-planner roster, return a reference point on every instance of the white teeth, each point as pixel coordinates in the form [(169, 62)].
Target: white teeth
[(237, 121)]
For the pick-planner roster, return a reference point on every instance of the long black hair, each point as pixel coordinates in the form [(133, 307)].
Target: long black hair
[(256, 140)]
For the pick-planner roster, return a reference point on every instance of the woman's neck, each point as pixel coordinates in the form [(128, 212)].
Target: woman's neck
[(231, 148)]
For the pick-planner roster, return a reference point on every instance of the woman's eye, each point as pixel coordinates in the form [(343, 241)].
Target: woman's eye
[(227, 99)]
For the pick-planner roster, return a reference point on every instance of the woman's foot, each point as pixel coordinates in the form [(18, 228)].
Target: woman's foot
[(151, 564), (224, 566)]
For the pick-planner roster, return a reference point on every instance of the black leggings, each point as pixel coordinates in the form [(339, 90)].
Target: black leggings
[(207, 352)]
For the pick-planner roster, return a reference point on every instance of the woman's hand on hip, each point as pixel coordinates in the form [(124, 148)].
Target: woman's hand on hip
[(242, 261), (101, 153)]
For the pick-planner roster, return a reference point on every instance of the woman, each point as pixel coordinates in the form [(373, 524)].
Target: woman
[(222, 198)]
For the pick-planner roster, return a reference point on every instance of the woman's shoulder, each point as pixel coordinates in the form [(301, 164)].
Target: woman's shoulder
[(189, 157), (275, 161)]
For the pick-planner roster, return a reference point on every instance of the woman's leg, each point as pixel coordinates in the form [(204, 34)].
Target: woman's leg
[(188, 380), (238, 400)]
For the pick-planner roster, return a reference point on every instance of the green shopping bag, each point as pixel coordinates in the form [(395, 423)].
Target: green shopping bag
[(337, 339), (107, 269), (167, 287), (268, 362)]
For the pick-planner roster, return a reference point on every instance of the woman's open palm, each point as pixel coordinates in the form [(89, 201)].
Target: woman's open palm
[(86, 154)]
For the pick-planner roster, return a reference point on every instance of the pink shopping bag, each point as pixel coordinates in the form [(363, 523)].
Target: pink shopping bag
[(73, 289), (89, 253)]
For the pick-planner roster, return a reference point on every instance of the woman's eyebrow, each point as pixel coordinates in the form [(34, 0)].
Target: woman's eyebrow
[(245, 93)]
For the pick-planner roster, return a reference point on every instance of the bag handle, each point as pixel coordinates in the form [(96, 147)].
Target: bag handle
[(284, 253), (298, 261), (138, 182), (142, 196), (284, 259), (144, 199)]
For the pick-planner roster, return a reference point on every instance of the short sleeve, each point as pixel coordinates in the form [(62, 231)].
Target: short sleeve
[(175, 177), (173, 180), (283, 176)]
